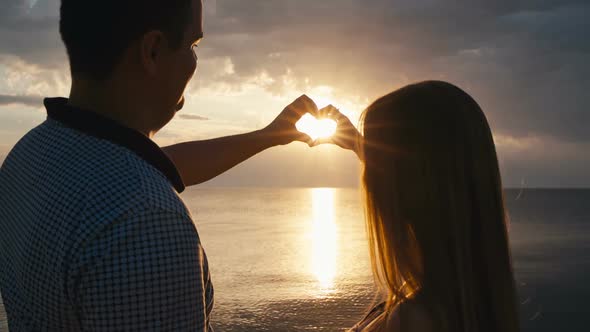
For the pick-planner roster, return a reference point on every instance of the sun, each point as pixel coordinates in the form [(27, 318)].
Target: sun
[(316, 128)]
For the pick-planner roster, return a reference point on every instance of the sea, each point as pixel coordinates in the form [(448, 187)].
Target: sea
[(297, 260)]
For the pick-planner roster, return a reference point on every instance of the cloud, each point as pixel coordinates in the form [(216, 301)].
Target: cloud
[(192, 117), (33, 101), (525, 62), (543, 162), (31, 33)]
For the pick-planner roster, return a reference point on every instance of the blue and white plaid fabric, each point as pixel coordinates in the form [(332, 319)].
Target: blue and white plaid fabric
[(94, 237)]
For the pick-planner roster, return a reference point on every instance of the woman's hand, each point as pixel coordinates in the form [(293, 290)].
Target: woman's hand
[(346, 135), (282, 130)]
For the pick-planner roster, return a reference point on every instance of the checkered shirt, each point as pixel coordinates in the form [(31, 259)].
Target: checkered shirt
[(93, 234)]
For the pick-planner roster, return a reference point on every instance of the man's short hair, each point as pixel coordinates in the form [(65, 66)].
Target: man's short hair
[(96, 33)]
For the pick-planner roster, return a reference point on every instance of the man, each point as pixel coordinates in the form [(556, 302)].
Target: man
[(93, 234)]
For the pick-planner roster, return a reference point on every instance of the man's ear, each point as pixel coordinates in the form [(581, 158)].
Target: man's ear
[(151, 47)]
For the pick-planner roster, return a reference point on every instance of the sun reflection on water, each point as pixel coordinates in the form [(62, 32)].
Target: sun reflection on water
[(324, 238)]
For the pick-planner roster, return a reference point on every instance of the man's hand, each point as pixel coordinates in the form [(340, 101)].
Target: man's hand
[(346, 135), (200, 161), (282, 130)]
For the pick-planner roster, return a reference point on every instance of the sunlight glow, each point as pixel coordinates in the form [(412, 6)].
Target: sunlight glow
[(316, 128), (322, 101), (324, 237)]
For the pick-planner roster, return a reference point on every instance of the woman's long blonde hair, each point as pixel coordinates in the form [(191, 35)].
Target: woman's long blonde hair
[(434, 205)]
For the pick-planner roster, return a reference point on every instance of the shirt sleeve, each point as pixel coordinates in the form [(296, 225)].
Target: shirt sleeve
[(144, 273)]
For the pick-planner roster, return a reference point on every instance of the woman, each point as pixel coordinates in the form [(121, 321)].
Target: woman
[(435, 215)]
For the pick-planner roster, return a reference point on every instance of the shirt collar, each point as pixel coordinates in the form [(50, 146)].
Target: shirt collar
[(101, 127)]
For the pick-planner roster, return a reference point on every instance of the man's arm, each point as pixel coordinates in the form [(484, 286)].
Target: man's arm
[(201, 161)]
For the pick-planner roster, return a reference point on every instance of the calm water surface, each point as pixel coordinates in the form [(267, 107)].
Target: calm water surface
[(284, 259), (296, 259)]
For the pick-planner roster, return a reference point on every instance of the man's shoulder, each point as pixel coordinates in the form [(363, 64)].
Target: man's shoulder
[(119, 175), (101, 174), (156, 190)]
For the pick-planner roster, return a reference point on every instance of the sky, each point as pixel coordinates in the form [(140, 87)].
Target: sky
[(526, 62)]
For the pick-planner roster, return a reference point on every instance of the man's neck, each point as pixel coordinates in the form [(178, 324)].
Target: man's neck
[(105, 99)]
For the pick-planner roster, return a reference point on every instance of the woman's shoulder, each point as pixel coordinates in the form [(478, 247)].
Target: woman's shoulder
[(410, 315), (375, 314)]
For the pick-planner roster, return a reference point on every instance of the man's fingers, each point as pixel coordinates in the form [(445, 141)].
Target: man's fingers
[(303, 105), (301, 137), (311, 106)]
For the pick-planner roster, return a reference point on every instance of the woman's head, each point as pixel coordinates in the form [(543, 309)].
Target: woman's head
[(435, 213)]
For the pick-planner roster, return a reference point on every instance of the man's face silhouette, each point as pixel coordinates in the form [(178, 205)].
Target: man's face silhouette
[(175, 68), (187, 54)]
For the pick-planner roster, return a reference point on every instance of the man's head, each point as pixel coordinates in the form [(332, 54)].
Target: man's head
[(142, 46)]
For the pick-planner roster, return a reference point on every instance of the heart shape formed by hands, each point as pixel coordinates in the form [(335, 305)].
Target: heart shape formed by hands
[(316, 128)]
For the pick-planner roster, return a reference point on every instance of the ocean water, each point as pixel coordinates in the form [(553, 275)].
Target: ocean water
[(296, 259)]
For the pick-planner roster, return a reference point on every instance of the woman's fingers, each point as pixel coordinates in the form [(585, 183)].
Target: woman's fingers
[(325, 113), (322, 140), (337, 116)]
